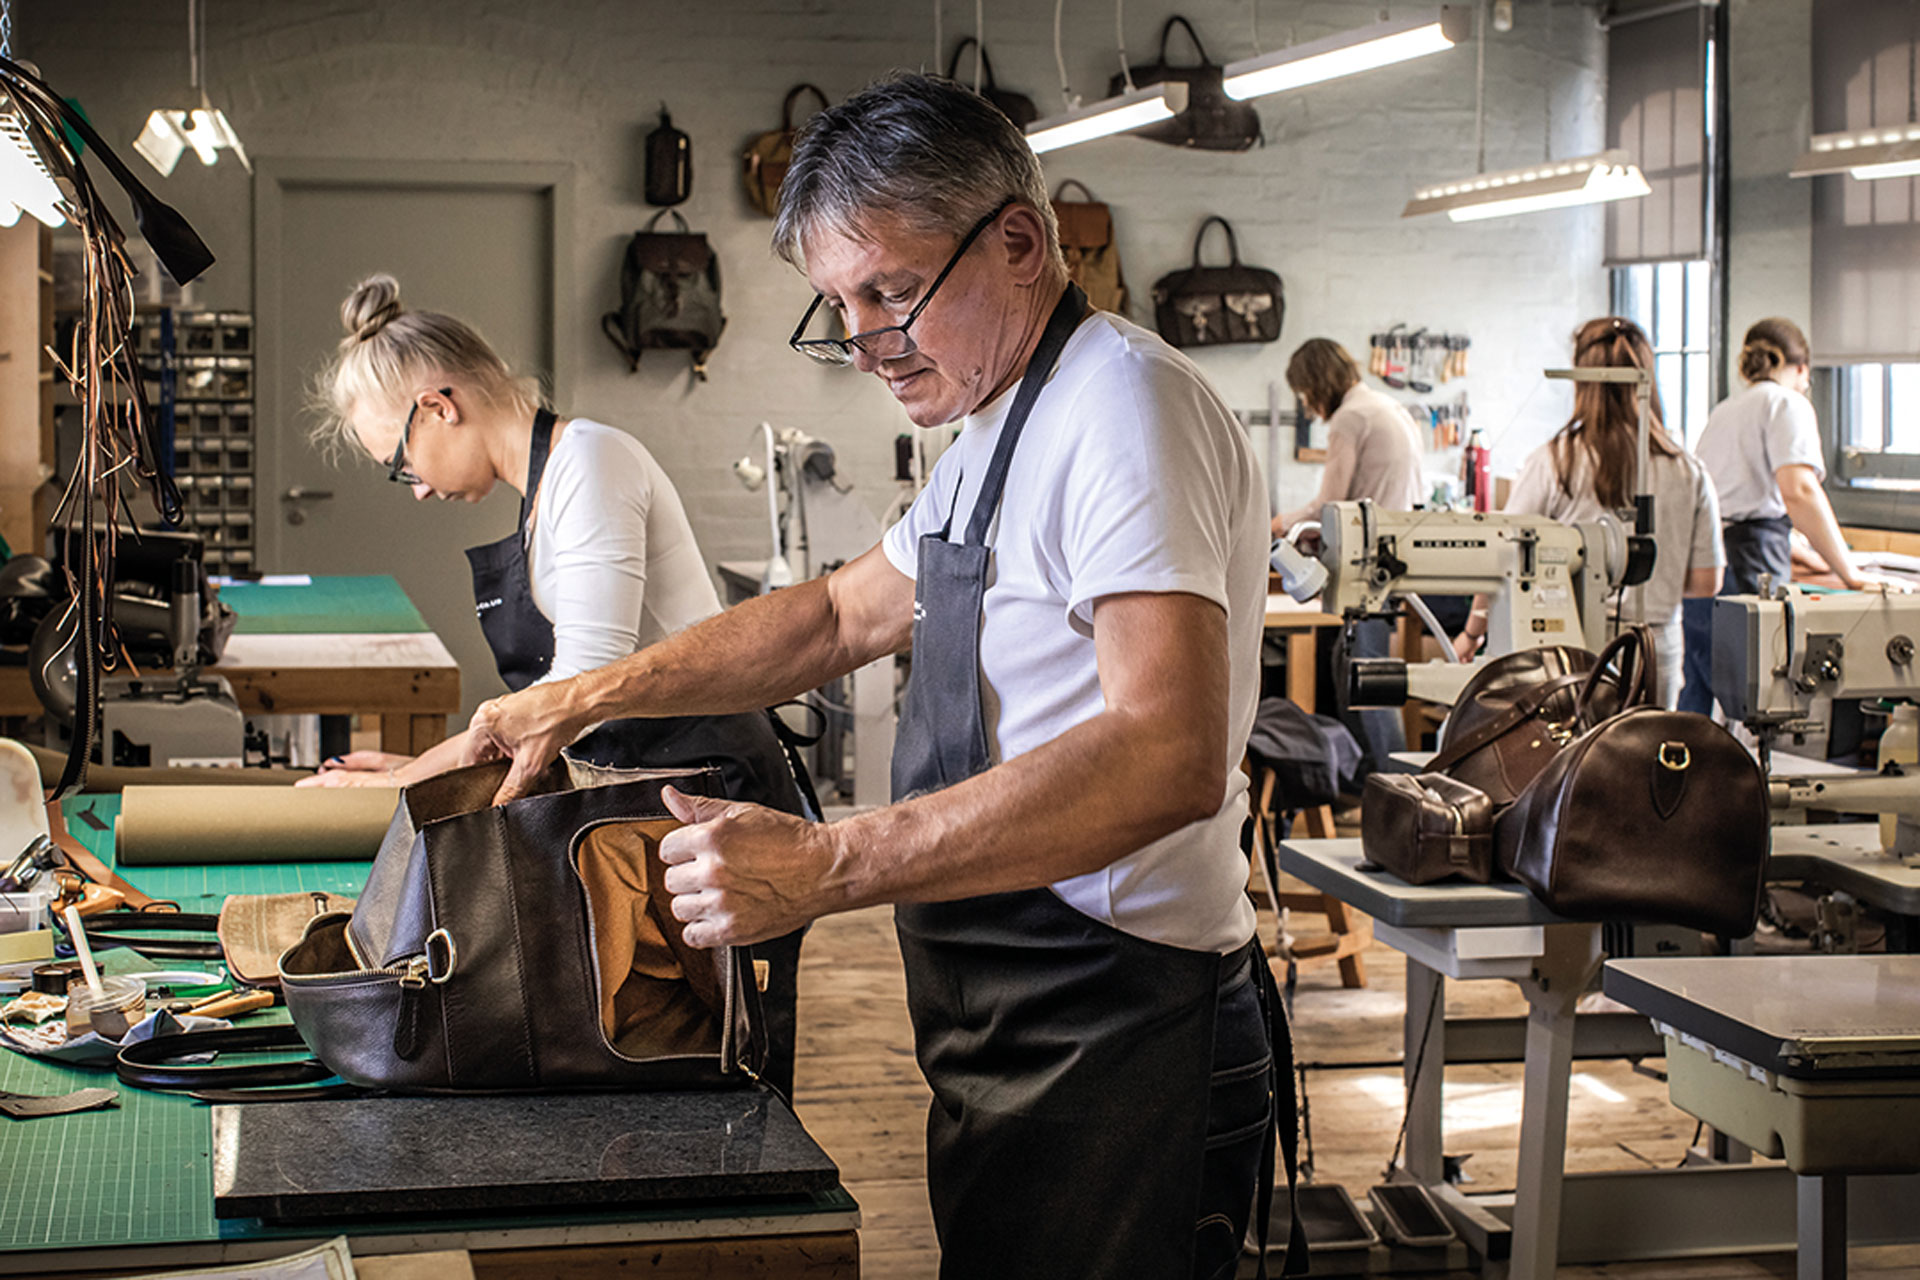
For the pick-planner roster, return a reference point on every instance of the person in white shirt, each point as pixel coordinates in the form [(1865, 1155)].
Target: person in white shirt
[(1083, 584), (1587, 470), (602, 564), (1373, 448), (1762, 447)]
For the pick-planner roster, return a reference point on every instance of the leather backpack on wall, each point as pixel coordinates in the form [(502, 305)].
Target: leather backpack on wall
[(769, 154), (669, 295), (1086, 238)]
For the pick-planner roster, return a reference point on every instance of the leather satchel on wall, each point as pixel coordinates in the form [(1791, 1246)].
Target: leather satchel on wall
[(669, 295), (1651, 815), (1208, 306), (523, 947), (1427, 827), (1211, 121), (769, 154), (1086, 238), (1017, 107), (1518, 711)]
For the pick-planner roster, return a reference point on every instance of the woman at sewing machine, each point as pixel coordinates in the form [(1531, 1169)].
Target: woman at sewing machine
[(1762, 448), (1587, 470), (602, 563)]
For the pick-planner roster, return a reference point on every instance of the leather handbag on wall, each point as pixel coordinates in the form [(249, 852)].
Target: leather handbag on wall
[(1086, 238), (669, 163), (1211, 121), (769, 154), (669, 295), (524, 947), (1427, 827), (1520, 709), (1207, 306), (1651, 815), (1017, 107)]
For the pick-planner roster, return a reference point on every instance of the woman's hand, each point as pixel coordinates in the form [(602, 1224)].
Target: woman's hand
[(1465, 645), (358, 769)]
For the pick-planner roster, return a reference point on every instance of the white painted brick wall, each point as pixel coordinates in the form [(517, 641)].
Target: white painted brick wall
[(580, 80)]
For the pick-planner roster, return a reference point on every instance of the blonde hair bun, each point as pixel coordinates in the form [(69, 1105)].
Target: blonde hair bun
[(373, 304)]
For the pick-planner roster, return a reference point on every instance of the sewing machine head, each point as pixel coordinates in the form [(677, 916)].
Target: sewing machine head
[(1773, 654)]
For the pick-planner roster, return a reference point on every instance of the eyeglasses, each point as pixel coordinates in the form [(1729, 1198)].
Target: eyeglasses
[(397, 469), (893, 341)]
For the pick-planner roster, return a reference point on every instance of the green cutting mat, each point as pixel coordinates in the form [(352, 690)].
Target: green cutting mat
[(331, 606), (142, 1174)]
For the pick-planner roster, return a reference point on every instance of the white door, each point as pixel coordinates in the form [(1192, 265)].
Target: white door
[(479, 242)]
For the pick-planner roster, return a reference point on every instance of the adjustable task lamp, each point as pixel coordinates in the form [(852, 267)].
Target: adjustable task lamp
[(169, 133)]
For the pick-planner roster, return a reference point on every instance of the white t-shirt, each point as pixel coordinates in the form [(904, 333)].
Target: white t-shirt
[(1686, 521), (1749, 436), (1131, 475), (612, 558)]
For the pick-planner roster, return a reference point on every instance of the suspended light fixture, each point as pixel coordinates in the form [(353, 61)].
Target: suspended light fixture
[(1379, 45), (1131, 109), (169, 133), (25, 183), (1594, 179), (1890, 152)]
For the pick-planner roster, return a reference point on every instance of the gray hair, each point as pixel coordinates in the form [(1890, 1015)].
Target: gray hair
[(918, 148), (390, 354)]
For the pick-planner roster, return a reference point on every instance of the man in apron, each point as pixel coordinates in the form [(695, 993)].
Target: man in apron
[(1082, 584)]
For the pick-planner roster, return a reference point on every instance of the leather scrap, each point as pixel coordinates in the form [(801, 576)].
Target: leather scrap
[(29, 1106)]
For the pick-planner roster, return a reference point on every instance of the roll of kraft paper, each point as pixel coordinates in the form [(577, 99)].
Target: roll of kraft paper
[(167, 826)]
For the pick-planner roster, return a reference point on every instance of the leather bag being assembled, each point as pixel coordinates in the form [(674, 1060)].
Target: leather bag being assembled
[(1427, 827), (1650, 815), (528, 946), (1086, 239), (1518, 711), (1201, 306), (1211, 120), (767, 157)]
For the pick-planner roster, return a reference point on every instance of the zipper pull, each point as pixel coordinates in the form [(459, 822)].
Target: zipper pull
[(406, 1027)]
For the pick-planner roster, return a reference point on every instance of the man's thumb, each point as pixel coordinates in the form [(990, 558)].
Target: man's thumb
[(692, 809)]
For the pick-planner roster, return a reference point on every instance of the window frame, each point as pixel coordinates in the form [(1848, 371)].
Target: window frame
[(1699, 298)]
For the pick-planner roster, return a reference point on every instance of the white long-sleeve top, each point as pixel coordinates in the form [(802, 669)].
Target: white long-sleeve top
[(611, 556), (1373, 451)]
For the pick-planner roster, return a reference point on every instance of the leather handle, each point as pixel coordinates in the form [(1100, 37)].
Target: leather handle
[(1233, 241), (986, 63), (1061, 191), (793, 95), (1632, 652), (1166, 33), (1524, 708), (654, 221)]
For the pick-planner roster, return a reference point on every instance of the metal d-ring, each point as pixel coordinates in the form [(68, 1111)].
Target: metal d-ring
[(438, 973), (1677, 764)]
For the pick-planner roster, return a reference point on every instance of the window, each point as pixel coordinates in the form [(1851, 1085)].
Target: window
[(1672, 301), (1876, 416)]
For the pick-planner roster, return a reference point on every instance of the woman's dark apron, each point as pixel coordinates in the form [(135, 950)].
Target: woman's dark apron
[(1762, 546), (743, 748), (1074, 1066)]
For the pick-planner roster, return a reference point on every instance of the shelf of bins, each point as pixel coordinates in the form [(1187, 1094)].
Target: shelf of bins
[(214, 427)]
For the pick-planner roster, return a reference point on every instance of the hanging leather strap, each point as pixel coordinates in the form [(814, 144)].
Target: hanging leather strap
[(157, 1063), (82, 860)]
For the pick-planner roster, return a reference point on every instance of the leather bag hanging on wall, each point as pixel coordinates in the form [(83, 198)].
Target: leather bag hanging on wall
[(1519, 710), (1427, 827), (1651, 815), (669, 295), (1086, 238), (1017, 107), (769, 154), (524, 947), (1211, 121), (669, 163), (1207, 306)]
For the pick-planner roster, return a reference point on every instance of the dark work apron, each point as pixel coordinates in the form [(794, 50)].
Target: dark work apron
[(1072, 1064), (743, 748), (1757, 547)]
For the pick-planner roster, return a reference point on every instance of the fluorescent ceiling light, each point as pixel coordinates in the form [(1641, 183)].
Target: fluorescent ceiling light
[(25, 183), (1553, 185), (1129, 110), (1379, 45), (1889, 152), (169, 133)]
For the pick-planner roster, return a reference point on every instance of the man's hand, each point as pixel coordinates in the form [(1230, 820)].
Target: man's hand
[(530, 727), (741, 873)]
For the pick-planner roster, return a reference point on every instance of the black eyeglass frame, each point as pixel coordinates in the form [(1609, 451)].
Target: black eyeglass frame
[(397, 470), (840, 351)]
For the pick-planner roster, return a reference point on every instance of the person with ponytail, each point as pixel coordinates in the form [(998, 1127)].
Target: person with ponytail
[(602, 564), (1587, 470), (1762, 447)]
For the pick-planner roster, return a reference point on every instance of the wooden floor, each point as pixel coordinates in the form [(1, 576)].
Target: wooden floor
[(860, 1093)]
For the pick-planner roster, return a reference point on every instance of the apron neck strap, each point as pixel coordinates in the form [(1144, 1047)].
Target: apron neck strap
[(1060, 326), (543, 421)]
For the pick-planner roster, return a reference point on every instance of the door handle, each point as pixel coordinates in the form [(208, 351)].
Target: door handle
[(297, 494)]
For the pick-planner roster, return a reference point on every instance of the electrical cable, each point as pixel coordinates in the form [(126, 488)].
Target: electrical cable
[(1434, 1015), (1060, 58), (1433, 626), (1120, 40), (1480, 89)]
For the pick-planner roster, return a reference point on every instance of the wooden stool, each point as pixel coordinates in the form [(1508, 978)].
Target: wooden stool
[(1349, 932)]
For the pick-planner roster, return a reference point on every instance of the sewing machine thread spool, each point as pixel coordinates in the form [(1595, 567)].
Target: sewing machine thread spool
[(55, 979)]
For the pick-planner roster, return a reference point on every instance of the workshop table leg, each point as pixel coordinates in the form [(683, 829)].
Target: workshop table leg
[(1822, 1204), (1300, 669), (1425, 1071), (409, 735), (1568, 962)]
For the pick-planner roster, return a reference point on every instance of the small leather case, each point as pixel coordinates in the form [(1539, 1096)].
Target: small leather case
[(255, 928), (1427, 827)]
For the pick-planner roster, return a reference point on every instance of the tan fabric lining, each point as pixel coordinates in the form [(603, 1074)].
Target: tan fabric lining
[(658, 996)]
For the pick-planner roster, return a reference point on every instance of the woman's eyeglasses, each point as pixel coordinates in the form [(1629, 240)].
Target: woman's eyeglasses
[(397, 469)]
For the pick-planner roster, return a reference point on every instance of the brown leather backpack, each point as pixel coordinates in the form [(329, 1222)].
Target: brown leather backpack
[(1086, 238), (769, 154)]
